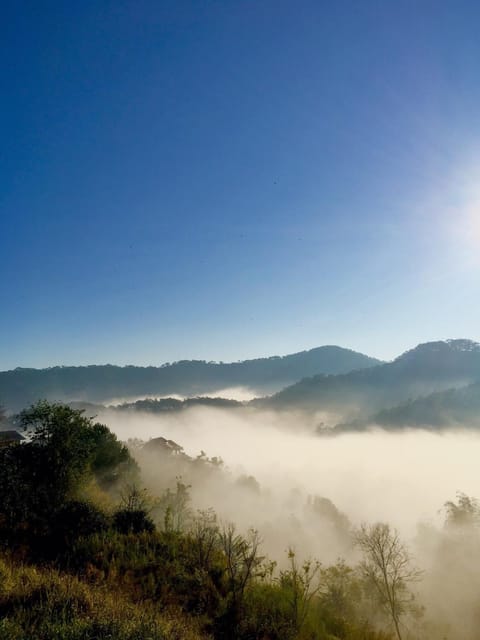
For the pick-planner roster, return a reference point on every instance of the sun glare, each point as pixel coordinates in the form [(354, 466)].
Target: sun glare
[(459, 207)]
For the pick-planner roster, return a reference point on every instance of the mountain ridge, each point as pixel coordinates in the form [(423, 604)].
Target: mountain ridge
[(428, 367), (101, 383)]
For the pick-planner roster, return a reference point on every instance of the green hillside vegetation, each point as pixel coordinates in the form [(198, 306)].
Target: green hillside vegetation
[(87, 554), (101, 383)]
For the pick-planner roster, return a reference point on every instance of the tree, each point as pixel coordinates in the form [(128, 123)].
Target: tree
[(205, 537), (40, 476), (111, 459), (73, 445), (175, 507), (464, 513), (300, 582), (133, 516), (340, 599), (387, 568), (242, 559), (61, 446), (242, 563)]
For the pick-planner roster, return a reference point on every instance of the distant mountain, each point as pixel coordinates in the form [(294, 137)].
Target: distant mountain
[(102, 383), (430, 367)]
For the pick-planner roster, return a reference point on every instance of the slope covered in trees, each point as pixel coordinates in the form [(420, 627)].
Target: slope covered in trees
[(101, 383), (457, 407), (430, 367)]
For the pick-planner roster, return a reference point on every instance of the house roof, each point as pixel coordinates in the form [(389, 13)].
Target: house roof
[(163, 444), (11, 436)]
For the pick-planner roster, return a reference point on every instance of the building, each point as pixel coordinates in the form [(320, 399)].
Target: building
[(10, 437)]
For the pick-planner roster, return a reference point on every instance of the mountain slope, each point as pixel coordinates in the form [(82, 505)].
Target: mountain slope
[(101, 383), (433, 366), (440, 410)]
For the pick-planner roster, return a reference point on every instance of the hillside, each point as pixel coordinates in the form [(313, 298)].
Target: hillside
[(102, 383), (430, 367), (100, 541), (441, 410)]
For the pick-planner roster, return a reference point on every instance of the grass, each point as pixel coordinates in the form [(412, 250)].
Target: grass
[(44, 604)]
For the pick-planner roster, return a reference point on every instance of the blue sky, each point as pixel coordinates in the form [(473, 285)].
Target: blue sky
[(224, 180)]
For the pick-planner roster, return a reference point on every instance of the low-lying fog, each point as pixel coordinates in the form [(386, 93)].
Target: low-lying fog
[(403, 477), (242, 394), (400, 478)]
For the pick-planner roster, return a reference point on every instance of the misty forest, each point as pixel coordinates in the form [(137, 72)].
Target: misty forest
[(332, 507)]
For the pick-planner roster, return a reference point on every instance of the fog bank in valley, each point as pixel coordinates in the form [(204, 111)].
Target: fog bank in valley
[(400, 477), (242, 394)]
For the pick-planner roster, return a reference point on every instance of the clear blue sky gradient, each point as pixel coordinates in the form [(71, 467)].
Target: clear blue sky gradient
[(223, 180)]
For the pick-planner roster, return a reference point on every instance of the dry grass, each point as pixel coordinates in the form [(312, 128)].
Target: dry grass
[(43, 604)]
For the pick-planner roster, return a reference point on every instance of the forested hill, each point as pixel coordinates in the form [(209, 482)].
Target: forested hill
[(101, 383), (430, 367), (441, 410)]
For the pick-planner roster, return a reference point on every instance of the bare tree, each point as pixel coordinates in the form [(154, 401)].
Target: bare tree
[(387, 566), (242, 559), (205, 536), (242, 564)]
